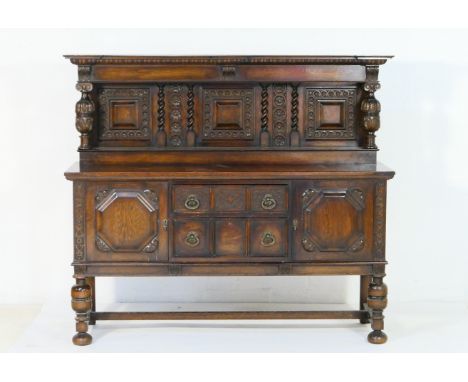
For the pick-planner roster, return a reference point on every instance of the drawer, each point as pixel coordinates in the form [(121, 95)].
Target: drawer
[(191, 238), (268, 199), (229, 239), (217, 199), (269, 237), (191, 199)]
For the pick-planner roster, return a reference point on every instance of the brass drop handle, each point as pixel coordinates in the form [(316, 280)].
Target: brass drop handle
[(192, 203), (192, 239), (268, 239), (165, 224), (268, 202)]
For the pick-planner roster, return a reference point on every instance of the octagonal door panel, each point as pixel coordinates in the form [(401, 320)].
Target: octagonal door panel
[(333, 220), (127, 222)]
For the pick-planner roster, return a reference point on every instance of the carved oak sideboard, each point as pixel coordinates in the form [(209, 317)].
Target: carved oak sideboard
[(252, 165)]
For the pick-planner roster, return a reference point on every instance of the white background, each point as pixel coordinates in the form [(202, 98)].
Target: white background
[(423, 136)]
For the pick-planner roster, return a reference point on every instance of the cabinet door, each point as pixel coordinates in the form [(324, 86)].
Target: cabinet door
[(333, 220), (127, 221)]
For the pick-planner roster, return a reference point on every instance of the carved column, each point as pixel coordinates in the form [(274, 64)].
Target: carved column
[(190, 137), (370, 106), (294, 136), (84, 113), (377, 302), (81, 303), (161, 135), (264, 135)]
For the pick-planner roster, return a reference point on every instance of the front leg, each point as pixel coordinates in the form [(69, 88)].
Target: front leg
[(377, 302), (91, 281), (81, 304)]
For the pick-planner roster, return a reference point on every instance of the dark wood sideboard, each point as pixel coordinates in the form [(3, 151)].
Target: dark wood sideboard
[(231, 165)]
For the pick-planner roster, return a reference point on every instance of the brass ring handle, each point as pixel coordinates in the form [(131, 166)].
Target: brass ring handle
[(192, 203), (268, 202), (192, 239), (268, 239)]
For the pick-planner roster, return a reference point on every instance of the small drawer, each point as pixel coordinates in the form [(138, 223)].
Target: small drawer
[(191, 199), (269, 237), (269, 198), (191, 238), (230, 198)]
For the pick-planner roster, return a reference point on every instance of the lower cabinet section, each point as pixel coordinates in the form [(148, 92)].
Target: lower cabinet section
[(301, 220)]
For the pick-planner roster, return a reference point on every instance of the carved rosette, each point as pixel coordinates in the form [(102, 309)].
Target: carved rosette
[(370, 106), (174, 95), (280, 93), (84, 113)]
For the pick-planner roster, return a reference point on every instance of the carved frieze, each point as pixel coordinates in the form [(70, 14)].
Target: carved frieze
[(124, 114), (330, 113)]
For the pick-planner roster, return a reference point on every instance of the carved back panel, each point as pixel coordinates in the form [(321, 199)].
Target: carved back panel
[(256, 102)]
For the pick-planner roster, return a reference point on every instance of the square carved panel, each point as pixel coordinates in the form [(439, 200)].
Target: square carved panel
[(124, 114), (330, 113), (228, 114)]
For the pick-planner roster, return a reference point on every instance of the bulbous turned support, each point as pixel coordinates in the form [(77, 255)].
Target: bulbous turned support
[(81, 303), (377, 302), (370, 107), (84, 114)]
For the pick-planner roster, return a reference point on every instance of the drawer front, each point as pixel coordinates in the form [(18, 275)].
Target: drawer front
[(217, 199), (123, 221), (229, 239), (268, 238), (230, 198), (191, 238), (333, 220), (191, 199), (269, 199)]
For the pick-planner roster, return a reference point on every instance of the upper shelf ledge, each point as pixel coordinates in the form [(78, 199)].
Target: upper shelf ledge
[(226, 60)]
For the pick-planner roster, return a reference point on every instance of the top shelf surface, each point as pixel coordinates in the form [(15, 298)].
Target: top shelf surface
[(226, 60)]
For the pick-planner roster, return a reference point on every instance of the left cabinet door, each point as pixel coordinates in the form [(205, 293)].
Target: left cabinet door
[(125, 221)]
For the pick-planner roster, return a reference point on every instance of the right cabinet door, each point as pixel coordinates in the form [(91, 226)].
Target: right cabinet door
[(334, 220)]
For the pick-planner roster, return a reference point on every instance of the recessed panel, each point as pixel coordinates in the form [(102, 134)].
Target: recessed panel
[(228, 116), (124, 114), (330, 113), (230, 237)]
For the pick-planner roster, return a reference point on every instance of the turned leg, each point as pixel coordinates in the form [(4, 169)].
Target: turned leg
[(365, 281), (91, 281), (81, 304), (377, 301)]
